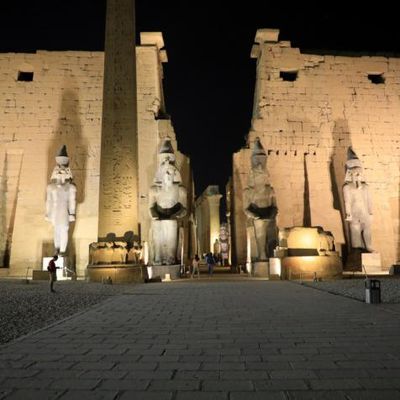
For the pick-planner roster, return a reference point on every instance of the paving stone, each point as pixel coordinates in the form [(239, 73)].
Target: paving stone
[(192, 343), (89, 395), (132, 395), (29, 394), (257, 396), (176, 384), (202, 396), (124, 384), (231, 386)]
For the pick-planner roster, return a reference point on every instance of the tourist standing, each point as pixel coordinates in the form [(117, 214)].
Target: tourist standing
[(52, 272), (195, 266)]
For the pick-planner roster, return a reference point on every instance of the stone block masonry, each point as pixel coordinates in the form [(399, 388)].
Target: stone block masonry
[(62, 104), (308, 110)]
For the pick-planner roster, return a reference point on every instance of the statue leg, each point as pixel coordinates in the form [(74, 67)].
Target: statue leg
[(366, 233), (272, 237), (57, 238), (260, 230), (170, 233), (63, 237), (355, 232), (157, 239)]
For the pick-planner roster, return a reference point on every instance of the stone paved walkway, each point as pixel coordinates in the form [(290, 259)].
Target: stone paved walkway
[(240, 340)]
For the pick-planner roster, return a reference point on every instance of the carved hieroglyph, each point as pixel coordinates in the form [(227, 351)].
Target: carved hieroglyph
[(167, 204), (118, 204), (357, 203), (61, 201), (260, 204)]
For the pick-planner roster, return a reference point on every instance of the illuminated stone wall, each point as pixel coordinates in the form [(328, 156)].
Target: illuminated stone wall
[(308, 109), (62, 105)]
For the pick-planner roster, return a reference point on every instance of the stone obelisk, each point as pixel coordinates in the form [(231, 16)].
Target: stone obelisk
[(118, 197)]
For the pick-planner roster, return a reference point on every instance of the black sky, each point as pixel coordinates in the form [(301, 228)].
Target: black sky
[(209, 79)]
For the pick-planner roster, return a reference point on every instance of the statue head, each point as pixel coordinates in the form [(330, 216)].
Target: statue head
[(166, 164), (168, 172), (61, 172), (258, 157), (258, 175), (166, 152), (62, 156), (354, 170)]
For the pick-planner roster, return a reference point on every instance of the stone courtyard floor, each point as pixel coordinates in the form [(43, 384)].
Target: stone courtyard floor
[(211, 339)]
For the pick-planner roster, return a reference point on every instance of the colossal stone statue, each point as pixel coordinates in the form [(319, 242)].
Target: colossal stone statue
[(61, 200), (357, 203), (224, 243), (260, 204), (167, 203)]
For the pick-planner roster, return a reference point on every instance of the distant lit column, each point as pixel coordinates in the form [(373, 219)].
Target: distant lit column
[(213, 204)]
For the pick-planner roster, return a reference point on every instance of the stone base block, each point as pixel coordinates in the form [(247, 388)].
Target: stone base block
[(353, 261), (260, 269), (371, 263), (119, 273), (162, 270), (308, 268), (3, 272), (275, 267), (40, 275)]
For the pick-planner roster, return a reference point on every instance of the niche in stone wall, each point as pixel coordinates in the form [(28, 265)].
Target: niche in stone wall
[(25, 73), (376, 78), (289, 76), (25, 76)]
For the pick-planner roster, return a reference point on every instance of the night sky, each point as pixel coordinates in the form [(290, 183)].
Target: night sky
[(209, 79)]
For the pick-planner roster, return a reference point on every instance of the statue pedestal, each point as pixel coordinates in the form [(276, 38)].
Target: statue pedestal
[(162, 270), (117, 273), (261, 269), (311, 267), (275, 268), (371, 263), (353, 261)]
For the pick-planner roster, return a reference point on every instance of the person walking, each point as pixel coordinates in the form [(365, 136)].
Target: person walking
[(52, 272), (195, 266)]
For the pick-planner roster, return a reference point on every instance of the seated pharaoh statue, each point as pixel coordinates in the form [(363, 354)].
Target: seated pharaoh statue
[(61, 201), (357, 202), (260, 204), (167, 204)]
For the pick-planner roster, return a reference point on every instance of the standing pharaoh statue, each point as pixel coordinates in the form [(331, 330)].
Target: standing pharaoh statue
[(167, 204), (260, 204), (61, 201), (357, 202)]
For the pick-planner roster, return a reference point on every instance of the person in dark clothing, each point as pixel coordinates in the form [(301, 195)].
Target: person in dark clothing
[(210, 263), (52, 272)]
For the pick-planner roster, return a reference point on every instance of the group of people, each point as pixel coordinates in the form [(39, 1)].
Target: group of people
[(211, 261)]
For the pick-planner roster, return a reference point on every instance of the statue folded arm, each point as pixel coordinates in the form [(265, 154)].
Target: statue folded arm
[(48, 204), (369, 203), (153, 202), (182, 201), (72, 202), (347, 202)]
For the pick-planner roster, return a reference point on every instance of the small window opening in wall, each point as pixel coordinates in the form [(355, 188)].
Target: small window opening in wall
[(24, 76), (376, 78), (289, 76)]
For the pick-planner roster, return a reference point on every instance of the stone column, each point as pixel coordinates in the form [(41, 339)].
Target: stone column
[(213, 204), (118, 197)]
